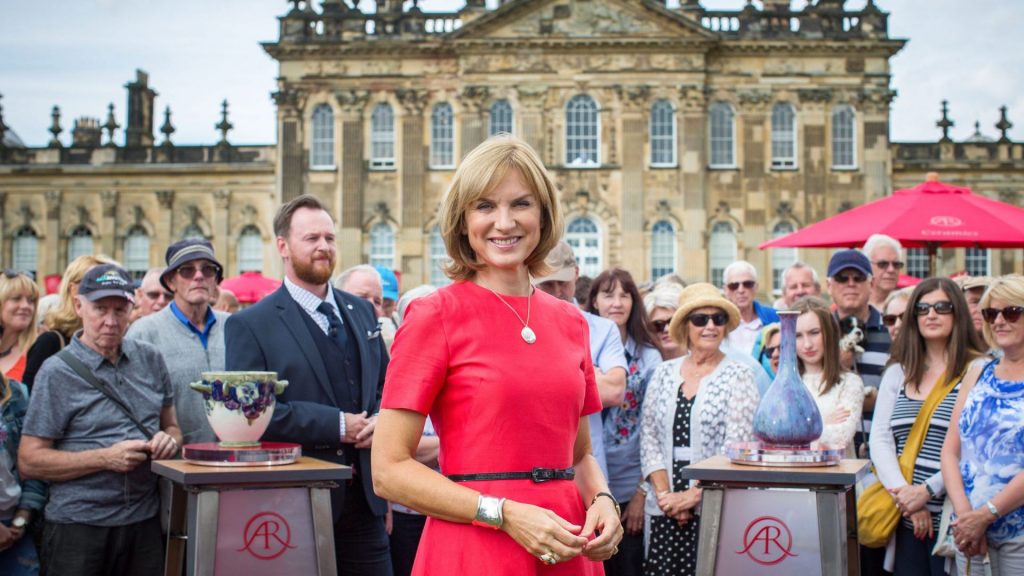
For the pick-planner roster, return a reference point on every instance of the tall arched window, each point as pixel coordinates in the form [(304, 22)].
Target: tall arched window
[(79, 243), (321, 145), (250, 250), (978, 262), (917, 262), (781, 257), (783, 136), (584, 237), (501, 118), (26, 250), (438, 258), (193, 232), (663, 249), (844, 137), (721, 250), (663, 134), (442, 136), (582, 133), (382, 137), (382, 246), (136, 251), (722, 128)]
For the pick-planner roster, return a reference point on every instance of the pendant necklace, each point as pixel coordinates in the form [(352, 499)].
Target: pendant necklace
[(527, 333)]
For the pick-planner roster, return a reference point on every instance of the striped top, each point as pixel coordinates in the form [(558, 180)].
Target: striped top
[(928, 460)]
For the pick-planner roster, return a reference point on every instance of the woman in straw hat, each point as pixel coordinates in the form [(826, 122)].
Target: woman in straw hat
[(696, 405)]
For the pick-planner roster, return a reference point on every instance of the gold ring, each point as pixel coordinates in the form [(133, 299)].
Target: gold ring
[(615, 551), (548, 557)]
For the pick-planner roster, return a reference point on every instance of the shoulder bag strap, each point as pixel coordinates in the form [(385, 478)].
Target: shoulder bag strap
[(89, 377), (924, 419)]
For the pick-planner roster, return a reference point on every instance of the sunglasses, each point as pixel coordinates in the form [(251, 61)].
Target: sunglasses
[(156, 294), (944, 307), (885, 264), (11, 273), (734, 286), (890, 319), (844, 278), (660, 326), (189, 272), (768, 351), (701, 320), (1011, 314)]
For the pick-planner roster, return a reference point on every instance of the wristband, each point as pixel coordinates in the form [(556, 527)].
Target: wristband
[(928, 487), (610, 497), (488, 512), (642, 487), (992, 508)]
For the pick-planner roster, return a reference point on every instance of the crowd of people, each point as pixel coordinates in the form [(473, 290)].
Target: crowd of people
[(522, 418)]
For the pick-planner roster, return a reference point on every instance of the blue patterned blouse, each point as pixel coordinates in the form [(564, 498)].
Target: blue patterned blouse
[(992, 446)]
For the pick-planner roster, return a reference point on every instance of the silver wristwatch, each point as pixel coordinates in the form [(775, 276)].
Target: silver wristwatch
[(488, 511), (19, 522)]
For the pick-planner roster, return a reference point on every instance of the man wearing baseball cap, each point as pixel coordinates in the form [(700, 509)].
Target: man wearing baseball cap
[(99, 411), (188, 332)]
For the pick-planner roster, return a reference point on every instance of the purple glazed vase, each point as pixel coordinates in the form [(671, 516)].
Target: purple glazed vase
[(787, 414)]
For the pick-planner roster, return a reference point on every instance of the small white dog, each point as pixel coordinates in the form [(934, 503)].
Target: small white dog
[(852, 332)]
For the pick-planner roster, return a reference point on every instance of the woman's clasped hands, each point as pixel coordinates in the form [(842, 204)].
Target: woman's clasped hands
[(552, 539)]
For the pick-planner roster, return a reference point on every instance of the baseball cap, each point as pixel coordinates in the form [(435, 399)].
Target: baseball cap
[(844, 259), (104, 281), (562, 264), (389, 282)]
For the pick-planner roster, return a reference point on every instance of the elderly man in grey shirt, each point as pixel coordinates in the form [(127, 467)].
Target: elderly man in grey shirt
[(80, 436)]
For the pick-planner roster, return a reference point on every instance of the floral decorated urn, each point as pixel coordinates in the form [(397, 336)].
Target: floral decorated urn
[(239, 405)]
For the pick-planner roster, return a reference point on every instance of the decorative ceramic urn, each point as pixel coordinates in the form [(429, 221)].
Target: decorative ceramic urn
[(787, 415), (239, 405)]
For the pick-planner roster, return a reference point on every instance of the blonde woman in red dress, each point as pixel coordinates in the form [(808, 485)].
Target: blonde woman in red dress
[(504, 371)]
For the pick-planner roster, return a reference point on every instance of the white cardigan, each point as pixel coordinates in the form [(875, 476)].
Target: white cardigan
[(722, 413)]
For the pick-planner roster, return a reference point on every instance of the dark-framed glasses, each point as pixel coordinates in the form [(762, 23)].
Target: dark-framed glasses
[(943, 307), (734, 286), (701, 320), (189, 272), (890, 319), (660, 325), (1011, 314), (11, 273), (769, 351), (844, 278), (886, 264), (158, 294)]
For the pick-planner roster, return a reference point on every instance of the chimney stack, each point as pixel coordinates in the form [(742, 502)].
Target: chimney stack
[(140, 111)]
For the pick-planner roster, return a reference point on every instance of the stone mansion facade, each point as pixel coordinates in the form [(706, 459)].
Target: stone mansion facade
[(680, 138)]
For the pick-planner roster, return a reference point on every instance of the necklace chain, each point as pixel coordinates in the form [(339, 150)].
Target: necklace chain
[(525, 324)]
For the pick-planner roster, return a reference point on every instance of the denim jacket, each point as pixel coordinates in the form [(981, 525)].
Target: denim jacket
[(33, 492)]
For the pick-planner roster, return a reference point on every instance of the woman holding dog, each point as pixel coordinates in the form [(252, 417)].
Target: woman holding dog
[(915, 405)]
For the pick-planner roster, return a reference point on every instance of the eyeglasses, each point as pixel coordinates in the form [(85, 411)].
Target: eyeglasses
[(890, 319), (1011, 314), (11, 273), (156, 294), (660, 326), (189, 272), (768, 351), (885, 264), (734, 286), (844, 278), (944, 307), (701, 320)]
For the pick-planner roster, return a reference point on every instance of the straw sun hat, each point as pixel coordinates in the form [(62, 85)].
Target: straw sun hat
[(696, 296)]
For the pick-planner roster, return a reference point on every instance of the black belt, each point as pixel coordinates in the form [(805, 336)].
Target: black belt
[(538, 475)]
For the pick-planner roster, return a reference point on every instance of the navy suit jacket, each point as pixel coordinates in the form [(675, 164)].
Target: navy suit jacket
[(272, 336)]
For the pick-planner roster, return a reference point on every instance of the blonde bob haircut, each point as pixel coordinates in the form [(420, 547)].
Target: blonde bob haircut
[(62, 317), (480, 173), (22, 285), (1009, 289)]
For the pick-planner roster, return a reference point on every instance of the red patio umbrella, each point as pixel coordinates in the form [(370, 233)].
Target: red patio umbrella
[(907, 280), (249, 287), (929, 215)]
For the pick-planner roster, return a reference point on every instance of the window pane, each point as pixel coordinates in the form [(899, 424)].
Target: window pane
[(442, 136), (136, 252), (26, 251), (382, 246), (844, 138), (382, 137), (438, 258), (501, 118), (722, 136), (663, 134), (250, 250), (321, 147), (783, 136), (722, 250), (977, 261), (917, 262), (584, 237), (582, 140), (193, 232), (781, 257), (663, 249), (80, 243)]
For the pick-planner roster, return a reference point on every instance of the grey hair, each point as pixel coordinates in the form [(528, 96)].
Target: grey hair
[(798, 265), (663, 296), (879, 240), (348, 272), (739, 266), (409, 296), (900, 294)]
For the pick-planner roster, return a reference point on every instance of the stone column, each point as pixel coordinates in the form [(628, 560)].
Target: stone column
[(220, 224), (693, 261), (291, 160), (353, 166), (164, 225), (474, 103), (54, 249), (532, 100), (414, 161), (108, 228), (634, 101)]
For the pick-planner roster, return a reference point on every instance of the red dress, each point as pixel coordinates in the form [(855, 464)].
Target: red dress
[(498, 404)]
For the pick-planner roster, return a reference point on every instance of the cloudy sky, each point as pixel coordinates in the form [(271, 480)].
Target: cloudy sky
[(78, 54)]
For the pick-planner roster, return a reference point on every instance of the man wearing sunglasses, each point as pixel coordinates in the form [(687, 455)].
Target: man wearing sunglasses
[(740, 279), (151, 297), (189, 333), (884, 253)]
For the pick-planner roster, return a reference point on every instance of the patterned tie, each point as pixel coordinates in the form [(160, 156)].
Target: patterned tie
[(334, 327)]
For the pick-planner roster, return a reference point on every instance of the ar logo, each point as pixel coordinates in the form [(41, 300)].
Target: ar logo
[(767, 541), (267, 536)]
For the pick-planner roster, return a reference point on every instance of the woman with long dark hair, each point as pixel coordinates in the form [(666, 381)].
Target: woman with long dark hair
[(614, 295), (935, 345)]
